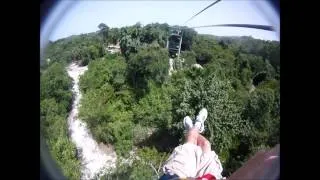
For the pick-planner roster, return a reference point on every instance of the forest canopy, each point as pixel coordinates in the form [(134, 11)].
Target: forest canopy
[(130, 101)]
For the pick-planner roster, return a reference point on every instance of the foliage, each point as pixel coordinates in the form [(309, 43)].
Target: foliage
[(106, 102), (55, 96), (141, 133), (114, 35), (130, 101), (189, 58), (187, 38), (104, 31), (154, 109), (155, 32), (55, 83), (149, 158), (146, 164), (197, 90), (267, 49), (64, 152), (83, 48), (130, 41), (262, 112), (105, 71), (203, 49), (147, 64)]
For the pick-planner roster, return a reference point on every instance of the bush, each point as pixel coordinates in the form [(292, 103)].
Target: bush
[(106, 103), (189, 58), (147, 64), (104, 71), (154, 109), (55, 83), (198, 90), (130, 100), (122, 131), (55, 102), (141, 133), (64, 152)]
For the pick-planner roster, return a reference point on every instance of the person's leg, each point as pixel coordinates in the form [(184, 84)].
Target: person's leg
[(192, 136), (203, 143), (184, 159), (209, 161)]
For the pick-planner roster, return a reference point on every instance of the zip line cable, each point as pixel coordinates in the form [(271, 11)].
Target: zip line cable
[(202, 11), (254, 26), (262, 27)]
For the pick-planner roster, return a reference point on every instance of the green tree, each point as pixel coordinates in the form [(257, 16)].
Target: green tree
[(197, 90), (148, 164), (130, 101), (128, 44), (189, 58), (114, 35), (105, 71), (148, 64), (104, 31), (154, 109), (106, 103), (55, 83), (55, 96), (187, 38), (263, 113)]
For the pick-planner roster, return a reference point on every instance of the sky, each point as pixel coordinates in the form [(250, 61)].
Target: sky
[(85, 16)]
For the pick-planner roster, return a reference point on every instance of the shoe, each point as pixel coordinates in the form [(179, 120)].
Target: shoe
[(187, 123), (200, 119)]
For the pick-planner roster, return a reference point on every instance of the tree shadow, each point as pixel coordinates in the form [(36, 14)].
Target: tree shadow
[(162, 140), (237, 157), (259, 77)]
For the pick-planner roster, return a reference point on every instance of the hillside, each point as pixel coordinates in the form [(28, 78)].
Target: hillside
[(130, 101)]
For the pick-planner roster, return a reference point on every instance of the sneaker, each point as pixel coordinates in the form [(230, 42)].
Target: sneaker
[(187, 123), (201, 117)]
